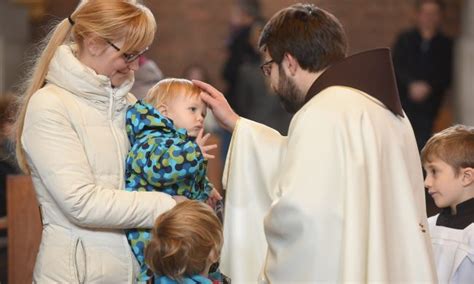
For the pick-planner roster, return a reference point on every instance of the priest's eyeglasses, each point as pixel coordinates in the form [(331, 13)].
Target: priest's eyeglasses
[(129, 57), (267, 67)]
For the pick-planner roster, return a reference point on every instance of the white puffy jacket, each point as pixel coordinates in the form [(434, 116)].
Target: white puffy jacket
[(75, 140)]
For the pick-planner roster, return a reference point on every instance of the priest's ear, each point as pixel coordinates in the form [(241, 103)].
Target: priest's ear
[(291, 63), (467, 177)]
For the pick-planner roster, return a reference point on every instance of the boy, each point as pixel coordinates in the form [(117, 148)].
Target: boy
[(168, 151), (186, 240), (448, 159)]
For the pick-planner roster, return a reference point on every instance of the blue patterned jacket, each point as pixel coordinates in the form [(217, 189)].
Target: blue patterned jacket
[(162, 158)]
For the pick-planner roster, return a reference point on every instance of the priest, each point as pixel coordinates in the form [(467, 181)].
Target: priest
[(341, 198)]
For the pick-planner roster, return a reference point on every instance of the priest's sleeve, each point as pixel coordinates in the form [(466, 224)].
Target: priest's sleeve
[(250, 175)]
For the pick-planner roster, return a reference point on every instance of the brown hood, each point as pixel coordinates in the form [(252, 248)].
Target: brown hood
[(369, 71)]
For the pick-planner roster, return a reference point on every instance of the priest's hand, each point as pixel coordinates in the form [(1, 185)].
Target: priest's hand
[(221, 109)]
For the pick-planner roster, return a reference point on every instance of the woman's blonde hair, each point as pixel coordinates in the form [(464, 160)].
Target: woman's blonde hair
[(183, 240), (167, 89), (454, 145), (108, 19)]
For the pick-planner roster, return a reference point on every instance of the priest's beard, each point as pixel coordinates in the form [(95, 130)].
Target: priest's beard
[(290, 96)]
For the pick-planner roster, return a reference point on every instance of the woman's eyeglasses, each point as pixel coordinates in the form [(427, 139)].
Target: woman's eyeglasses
[(127, 56)]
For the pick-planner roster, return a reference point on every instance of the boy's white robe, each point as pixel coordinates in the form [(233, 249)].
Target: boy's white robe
[(340, 199), (453, 252)]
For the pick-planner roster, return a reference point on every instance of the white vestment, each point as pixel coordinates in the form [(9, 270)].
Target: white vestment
[(340, 199), (453, 252)]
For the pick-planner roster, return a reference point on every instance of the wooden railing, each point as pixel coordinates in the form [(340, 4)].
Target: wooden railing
[(23, 227)]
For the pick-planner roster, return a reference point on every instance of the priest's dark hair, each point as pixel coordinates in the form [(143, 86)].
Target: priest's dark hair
[(312, 35)]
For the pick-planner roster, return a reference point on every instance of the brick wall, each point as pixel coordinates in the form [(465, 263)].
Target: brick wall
[(195, 31)]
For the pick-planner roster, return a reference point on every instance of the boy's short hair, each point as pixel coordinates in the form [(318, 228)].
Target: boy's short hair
[(454, 145), (165, 90), (183, 239)]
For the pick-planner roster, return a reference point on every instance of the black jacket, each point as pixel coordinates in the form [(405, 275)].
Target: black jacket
[(430, 61)]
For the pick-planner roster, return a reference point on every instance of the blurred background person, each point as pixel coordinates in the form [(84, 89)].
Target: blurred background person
[(8, 165), (196, 71), (253, 97), (147, 75), (239, 50), (422, 59), (248, 92), (243, 15)]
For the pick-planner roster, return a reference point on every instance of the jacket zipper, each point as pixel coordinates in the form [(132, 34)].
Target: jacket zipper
[(111, 125), (122, 174)]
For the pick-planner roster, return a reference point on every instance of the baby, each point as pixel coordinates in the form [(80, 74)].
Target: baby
[(168, 151)]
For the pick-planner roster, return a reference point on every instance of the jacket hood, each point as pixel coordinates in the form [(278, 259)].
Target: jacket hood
[(67, 72), (143, 118)]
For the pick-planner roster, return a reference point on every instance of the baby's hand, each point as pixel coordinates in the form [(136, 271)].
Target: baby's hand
[(201, 141), (214, 196)]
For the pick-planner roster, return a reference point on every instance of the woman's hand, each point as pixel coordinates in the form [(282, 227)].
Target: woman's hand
[(221, 109)]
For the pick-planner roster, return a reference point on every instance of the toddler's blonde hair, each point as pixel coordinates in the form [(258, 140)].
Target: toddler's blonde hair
[(166, 90)]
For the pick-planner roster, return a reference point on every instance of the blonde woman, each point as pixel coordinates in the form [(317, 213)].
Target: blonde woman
[(71, 138)]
